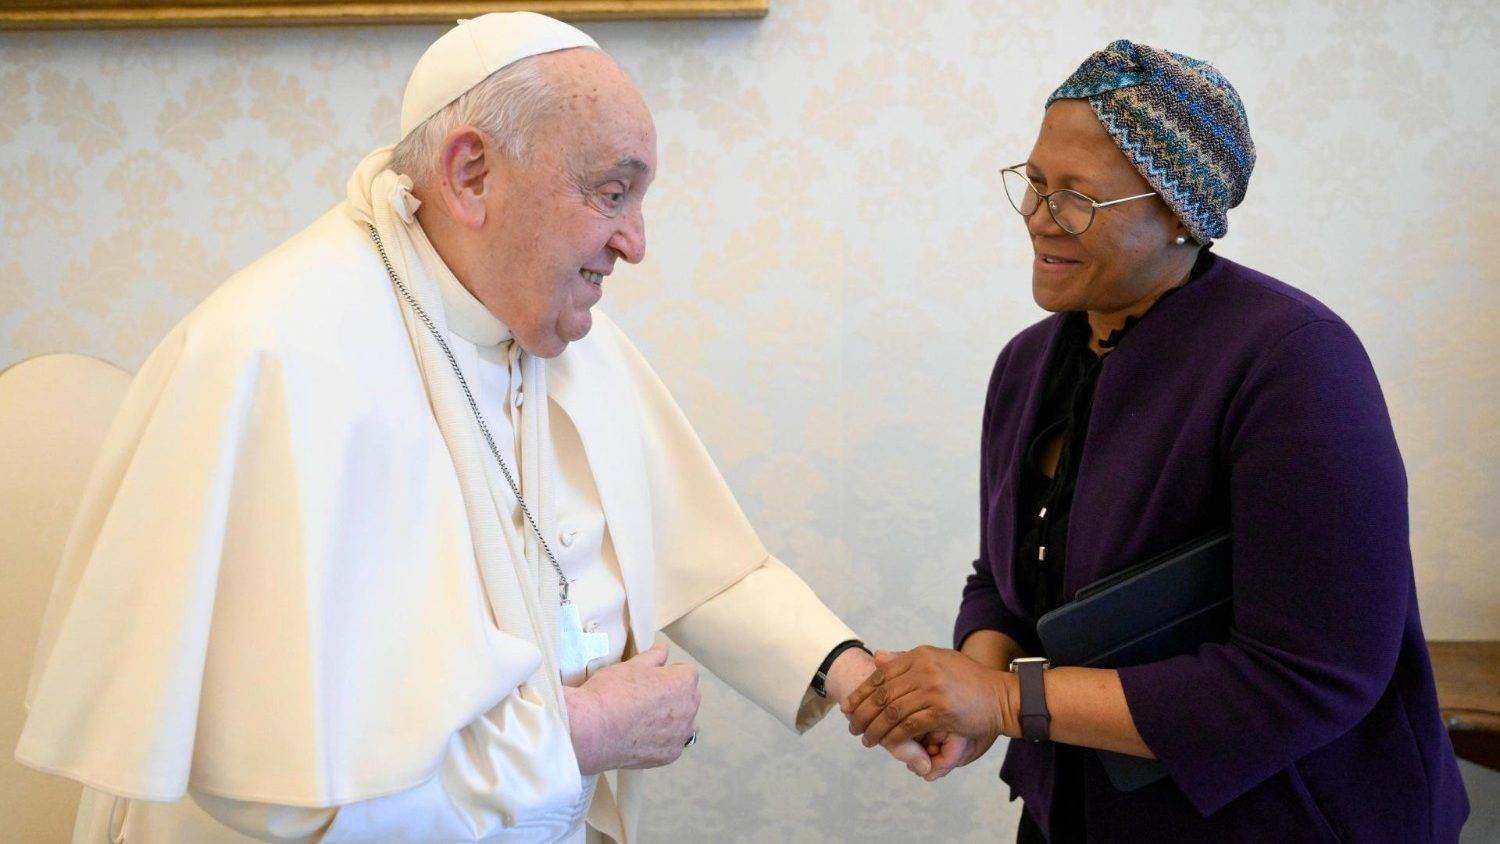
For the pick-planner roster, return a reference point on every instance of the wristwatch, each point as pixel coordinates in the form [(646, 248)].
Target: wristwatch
[(1036, 721), (820, 679)]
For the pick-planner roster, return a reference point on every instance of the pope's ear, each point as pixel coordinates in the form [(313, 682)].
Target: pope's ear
[(464, 165)]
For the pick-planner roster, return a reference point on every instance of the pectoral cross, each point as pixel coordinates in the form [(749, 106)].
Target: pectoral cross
[(577, 648)]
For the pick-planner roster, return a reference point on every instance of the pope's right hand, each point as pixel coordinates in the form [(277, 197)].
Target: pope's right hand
[(637, 714)]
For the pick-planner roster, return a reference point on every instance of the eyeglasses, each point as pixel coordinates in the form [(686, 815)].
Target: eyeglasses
[(1072, 211)]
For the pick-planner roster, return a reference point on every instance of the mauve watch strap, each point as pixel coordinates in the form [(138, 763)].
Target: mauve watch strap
[(1036, 721)]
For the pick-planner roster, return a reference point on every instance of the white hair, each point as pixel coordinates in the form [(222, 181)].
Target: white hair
[(508, 107)]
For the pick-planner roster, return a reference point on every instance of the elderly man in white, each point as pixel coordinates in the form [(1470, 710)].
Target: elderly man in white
[(379, 521)]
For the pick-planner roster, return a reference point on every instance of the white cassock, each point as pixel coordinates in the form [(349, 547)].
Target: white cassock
[(300, 601)]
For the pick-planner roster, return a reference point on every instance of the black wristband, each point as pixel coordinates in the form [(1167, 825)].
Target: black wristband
[(1036, 720), (820, 679)]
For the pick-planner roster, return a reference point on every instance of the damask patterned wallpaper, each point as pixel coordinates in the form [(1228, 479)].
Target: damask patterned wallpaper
[(832, 269)]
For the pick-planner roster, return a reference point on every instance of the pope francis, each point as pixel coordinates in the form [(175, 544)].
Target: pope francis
[(380, 542)]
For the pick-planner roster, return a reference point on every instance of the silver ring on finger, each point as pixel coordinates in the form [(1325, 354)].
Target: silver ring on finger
[(692, 739)]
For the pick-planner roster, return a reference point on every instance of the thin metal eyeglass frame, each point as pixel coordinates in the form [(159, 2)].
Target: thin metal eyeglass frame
[(1042, 199)]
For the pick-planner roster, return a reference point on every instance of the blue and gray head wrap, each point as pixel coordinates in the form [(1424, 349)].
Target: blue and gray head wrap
[(1179, 121)]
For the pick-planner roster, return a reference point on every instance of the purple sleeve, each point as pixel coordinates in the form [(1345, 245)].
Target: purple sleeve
[(1322, 576), (981, 607)]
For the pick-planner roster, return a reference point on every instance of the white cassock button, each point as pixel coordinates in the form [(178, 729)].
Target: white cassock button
[(567, 536)]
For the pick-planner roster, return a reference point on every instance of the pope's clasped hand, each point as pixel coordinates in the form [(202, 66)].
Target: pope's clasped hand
[(640, 713)]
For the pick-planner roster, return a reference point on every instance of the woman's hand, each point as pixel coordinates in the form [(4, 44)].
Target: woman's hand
[(954, 705), (852, 668)]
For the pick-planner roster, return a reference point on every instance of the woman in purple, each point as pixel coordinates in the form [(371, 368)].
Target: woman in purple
[(1173, 393)]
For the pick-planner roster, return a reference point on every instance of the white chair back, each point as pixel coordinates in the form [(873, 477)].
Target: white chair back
[(54, 413)]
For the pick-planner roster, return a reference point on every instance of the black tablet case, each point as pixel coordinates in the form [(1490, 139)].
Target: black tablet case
[(1166, 606)]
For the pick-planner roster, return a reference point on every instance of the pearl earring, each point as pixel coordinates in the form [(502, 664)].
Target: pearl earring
[(1180, 240)]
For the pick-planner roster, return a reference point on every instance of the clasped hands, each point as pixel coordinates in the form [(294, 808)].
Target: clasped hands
[(931, 708), (951, 706)]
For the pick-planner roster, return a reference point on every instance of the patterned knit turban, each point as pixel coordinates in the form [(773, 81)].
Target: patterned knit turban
[(1179, 121)]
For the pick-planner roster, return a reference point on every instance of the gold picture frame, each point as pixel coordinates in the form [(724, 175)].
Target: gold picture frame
[(60, 14)]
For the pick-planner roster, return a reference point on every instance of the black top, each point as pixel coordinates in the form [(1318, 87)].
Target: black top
[(1045, 501)]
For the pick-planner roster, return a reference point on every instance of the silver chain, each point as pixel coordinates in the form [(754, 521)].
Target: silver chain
[(562, 579)]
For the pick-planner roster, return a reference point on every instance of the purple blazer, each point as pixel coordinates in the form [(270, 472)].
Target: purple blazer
[(1241, 402)]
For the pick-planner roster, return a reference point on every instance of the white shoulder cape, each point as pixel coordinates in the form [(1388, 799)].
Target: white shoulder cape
[(270, 589)]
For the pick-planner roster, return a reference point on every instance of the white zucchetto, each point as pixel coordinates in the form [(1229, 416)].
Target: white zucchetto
[(468, 53)]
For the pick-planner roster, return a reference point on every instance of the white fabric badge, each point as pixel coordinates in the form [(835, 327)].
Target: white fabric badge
[(577, 648), (403, 201)]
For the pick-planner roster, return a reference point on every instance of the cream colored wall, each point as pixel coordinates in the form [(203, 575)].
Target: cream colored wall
[(832, 269)]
